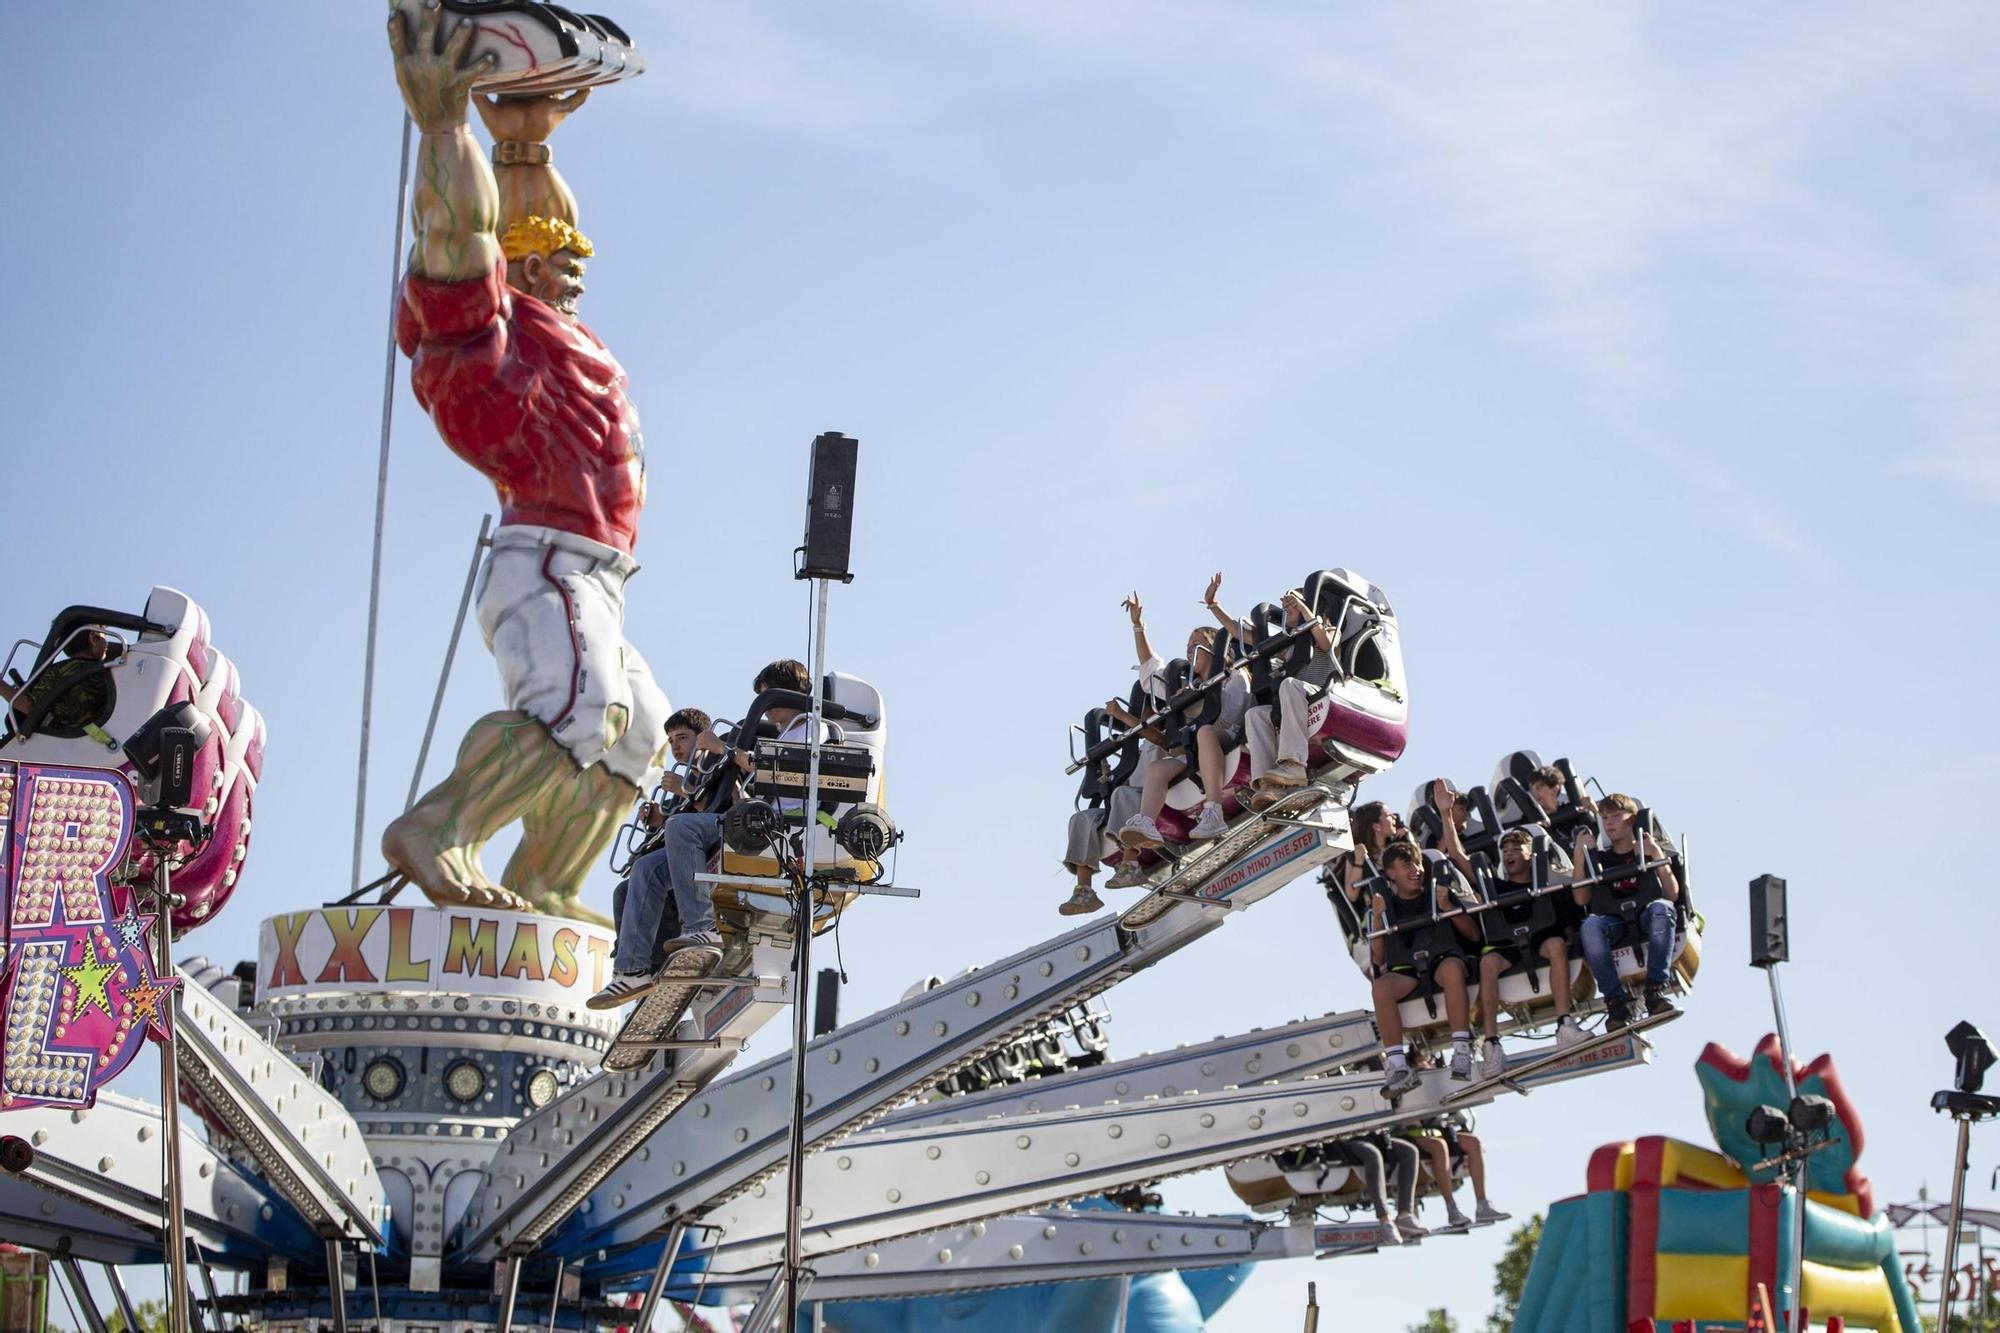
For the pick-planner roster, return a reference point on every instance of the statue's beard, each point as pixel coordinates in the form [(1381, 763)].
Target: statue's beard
[(565, 304)]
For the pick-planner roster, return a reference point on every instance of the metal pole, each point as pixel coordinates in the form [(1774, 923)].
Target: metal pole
[(509, 1289), (651, 1305), (119, 1293), (1794, 1271), (85, 1305), (215, 1314), (172, 1213), (124, 1300), (381, 504), (765, 1310), (450, 652), (1958, 1169), (555, 1294), (1124, 1300), (336, 1291), (802, 924), (375, 1285)]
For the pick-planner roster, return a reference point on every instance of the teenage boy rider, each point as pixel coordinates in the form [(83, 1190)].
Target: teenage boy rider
[(1551, 944), (1403, 867), (668, 875), (1618, 878), (683, 728)]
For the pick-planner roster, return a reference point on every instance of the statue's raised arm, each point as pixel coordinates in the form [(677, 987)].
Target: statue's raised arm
[(530, 185), (457, 208)]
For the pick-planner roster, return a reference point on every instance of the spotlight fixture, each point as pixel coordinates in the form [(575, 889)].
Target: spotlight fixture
[(750, 827), (1974, 1055), (1769, 1126), (543, 1085), (1811, 1114), (865, 832)]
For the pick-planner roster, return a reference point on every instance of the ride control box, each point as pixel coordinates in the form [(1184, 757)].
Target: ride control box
[(783, 767)]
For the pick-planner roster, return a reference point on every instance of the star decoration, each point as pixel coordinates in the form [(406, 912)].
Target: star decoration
[(88, 977), (131, 927), (144, 998)]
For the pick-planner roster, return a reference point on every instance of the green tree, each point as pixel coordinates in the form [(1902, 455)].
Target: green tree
[(152, 1318), (1510, 1275), (1437, 1321)]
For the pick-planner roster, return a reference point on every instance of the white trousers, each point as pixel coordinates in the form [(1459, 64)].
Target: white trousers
[(552, 609), (1283, 736)]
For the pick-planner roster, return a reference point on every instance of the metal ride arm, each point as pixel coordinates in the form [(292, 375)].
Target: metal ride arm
[(94, 1191), (894, 1183), (305, 1142), (1058, 1245), (550, 1163), (1262, 1055), (733, 1135)]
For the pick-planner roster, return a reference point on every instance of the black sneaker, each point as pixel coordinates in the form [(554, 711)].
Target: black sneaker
[(1617, 1015), (1657, 1001)]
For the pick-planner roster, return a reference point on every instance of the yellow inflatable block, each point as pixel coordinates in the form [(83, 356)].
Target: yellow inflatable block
[(1703, 1286), (1858, 1295)]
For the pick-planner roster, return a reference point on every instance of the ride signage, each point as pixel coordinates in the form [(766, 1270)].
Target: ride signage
[(78, 992), (445, 950)]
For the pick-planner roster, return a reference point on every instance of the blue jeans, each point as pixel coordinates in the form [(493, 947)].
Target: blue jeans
[(1600, 935), (662, 876)]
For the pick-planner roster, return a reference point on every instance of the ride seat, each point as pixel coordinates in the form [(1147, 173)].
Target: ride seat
[(869, 728)]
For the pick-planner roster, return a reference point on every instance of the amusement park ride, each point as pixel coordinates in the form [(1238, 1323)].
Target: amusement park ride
[(414, 1119)]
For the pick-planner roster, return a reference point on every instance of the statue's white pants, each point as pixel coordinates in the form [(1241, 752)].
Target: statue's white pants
[(552, 609)]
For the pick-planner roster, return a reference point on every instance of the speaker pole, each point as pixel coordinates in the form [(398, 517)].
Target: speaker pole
[(1770, 944)]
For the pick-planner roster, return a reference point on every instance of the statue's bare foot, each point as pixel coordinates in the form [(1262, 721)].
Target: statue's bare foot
[(412, 848), (574, 909)]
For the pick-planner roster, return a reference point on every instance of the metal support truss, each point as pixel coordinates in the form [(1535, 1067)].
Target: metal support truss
[(302, 1138), (894, 1183)]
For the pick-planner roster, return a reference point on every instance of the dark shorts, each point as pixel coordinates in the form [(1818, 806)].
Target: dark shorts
[(1513, 952)]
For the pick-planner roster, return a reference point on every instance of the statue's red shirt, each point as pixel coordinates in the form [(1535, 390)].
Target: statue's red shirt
[(531, 399)]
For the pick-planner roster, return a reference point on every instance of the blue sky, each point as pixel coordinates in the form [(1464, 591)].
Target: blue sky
[(1645, 355)]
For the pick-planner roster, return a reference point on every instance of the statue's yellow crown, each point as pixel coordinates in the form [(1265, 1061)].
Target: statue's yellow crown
[(542, 236)]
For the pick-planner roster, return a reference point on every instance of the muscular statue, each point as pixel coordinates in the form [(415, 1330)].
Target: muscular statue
[(529, 396)]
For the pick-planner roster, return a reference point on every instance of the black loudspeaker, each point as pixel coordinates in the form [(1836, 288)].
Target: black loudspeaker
[(1770, 926), (826, 1002), (830, 509)]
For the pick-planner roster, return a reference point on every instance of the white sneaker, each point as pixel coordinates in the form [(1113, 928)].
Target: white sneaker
[(1140, 831), (1129, 875), (1570, 1033), (1390, 1236), (1486, 1213), (1210, 825), (1411, 1228), (1461, 1062), (621, 990), (1401, 1079), (1455, 1224), (1492, 1058)]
